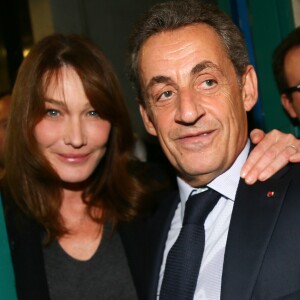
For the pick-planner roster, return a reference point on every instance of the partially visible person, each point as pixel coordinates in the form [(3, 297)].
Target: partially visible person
[(7, 286), (5, 100), (286, 70), (69, 178), (7, 279)]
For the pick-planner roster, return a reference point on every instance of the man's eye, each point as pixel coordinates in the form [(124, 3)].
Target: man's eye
[(52, 112), (209, 82), (165, 95)]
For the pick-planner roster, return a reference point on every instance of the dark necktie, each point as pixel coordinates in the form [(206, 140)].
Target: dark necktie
[(184, 258)]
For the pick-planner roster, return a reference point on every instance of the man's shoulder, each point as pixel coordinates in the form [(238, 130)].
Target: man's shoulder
[(294, 168), (285, 182), (291, 170)]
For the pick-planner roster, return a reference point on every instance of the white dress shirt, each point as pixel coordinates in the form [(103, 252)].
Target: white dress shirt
[(216, 229)]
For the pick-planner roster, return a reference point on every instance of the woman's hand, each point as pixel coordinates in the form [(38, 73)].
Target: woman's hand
[(272, 152)]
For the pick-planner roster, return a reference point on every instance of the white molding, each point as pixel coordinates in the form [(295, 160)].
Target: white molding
[(296, 12)]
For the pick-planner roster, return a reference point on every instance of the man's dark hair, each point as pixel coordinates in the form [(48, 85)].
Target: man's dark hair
[(168, 16), (279, 54)]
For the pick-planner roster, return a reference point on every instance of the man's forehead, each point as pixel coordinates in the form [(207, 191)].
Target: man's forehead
[(198, 28), (177, 44), (181, 53)]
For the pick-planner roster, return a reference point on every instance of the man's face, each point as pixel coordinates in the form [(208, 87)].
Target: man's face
[(195, 104), (292, 71)]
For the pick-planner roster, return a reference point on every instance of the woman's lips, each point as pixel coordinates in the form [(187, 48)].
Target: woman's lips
[(73, 158)]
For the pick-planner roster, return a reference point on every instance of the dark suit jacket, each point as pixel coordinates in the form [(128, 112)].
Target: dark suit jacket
[(262, 255), (25, 238)]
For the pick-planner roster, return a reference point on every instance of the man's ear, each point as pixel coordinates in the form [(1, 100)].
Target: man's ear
[(147, 120), (250, 88), (288, 106)]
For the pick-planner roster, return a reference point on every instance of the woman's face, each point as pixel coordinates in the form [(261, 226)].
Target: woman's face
[(71, 135)]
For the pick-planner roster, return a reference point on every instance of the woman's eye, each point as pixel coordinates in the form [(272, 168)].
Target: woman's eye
[(93, 113), (52, 112)]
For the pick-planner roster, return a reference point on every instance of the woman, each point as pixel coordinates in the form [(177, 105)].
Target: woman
[(69, 146)]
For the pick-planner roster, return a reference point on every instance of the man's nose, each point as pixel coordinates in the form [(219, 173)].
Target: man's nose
[(189, 108)]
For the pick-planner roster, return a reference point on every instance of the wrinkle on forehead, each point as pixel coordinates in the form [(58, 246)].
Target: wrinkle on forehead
[(172, 56), (199, 67)]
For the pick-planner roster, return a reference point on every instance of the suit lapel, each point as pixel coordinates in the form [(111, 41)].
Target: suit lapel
[(27, 254), (158, 228), (254, 216)]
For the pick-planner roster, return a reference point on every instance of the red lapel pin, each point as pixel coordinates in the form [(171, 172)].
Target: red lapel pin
[(270, 194)]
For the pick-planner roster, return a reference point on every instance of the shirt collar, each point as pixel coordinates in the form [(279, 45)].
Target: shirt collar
[(226, 184)]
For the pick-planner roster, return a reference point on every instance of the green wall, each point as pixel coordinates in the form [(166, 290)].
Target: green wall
[(270, 21)]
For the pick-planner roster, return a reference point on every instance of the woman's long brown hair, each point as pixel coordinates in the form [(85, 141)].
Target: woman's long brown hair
[(29, 177)]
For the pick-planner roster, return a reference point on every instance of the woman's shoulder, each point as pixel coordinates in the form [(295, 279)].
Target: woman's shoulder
[(25, 240), (21, 228)]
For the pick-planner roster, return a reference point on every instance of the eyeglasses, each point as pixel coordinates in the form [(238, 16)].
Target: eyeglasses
[(292, 89)]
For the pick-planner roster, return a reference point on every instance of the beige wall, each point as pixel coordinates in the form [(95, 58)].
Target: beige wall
[(41, 18), (296, 12)]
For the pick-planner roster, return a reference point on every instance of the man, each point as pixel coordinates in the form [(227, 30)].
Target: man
[(195, 84), (286, 69), (4, 112)]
